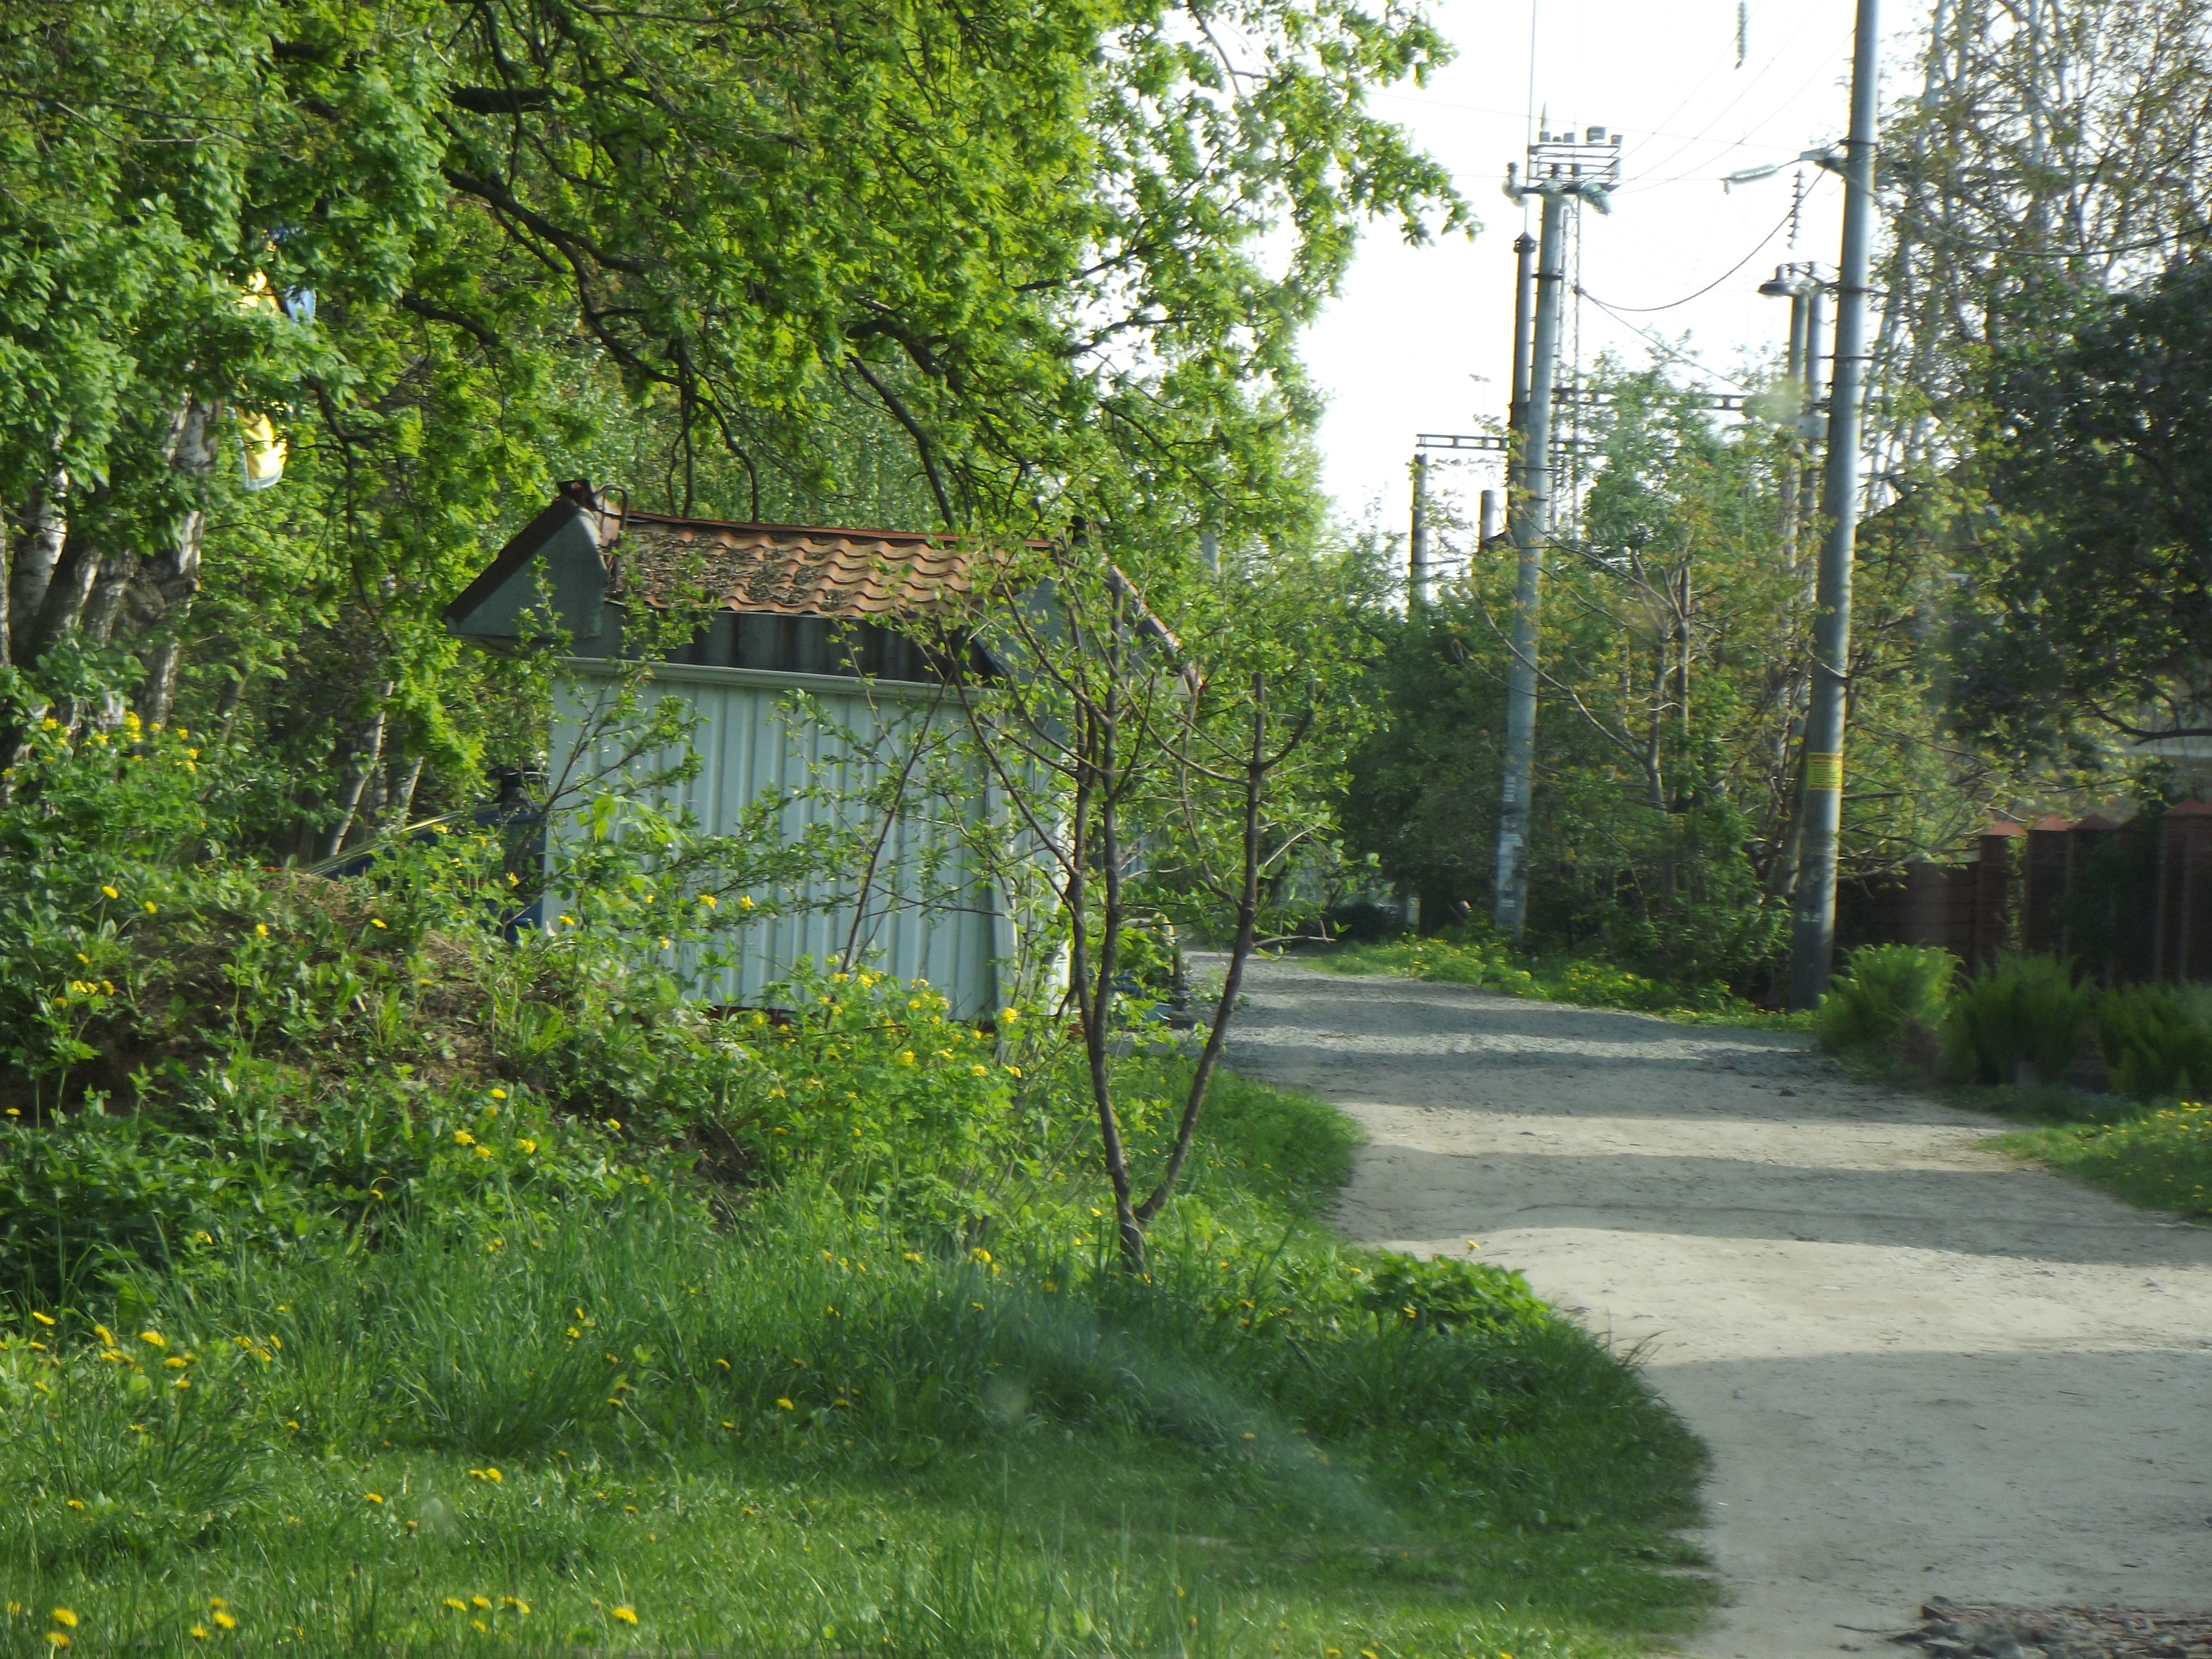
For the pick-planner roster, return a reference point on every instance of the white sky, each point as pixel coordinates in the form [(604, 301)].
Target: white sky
[(1421, 339)]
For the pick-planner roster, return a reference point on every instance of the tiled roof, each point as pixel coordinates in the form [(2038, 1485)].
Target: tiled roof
[(787, 570)]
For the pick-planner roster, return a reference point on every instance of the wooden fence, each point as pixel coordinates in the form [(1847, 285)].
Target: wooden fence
[(2128, 901)]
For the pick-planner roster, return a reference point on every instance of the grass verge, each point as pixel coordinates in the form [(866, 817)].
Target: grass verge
[(795, 1430), (2157, 1157), (1579, 980)]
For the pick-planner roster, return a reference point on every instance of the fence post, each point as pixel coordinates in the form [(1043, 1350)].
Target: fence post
[(2185, 884), (1996, 896)]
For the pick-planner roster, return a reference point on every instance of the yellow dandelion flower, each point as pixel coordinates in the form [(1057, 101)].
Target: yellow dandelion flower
[(55, 1639), (527, 1146), (199, 1632), (65, 1618), (784, 1404), (226, 1620), (463, 1138), (155, 1338), (627, 1614), (151, 907), (74, 1503), (374, 1497), (111, 892), (456, 1604), (261, 930), (480, 1601)]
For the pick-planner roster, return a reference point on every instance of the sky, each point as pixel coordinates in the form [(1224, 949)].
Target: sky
[(1420, 340)]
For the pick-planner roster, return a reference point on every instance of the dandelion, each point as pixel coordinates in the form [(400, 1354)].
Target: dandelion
[(55, 1639), (785, 1405), (484, 1151), (44, 1319), (65, 1618), (199, 1632), (627, 1614), (515, 1603), (463, 1138), (484, 1602), (111, 892), (456, 1604), (151, 907), (226, 1620), (74, 1503), (374, 921), (906, 1056), (499, 1094), (527, 1146), (261, 930), (980, 1071), (155, 1338), (374, 1497)]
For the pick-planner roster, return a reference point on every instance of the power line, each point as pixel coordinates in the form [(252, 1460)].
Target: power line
[(1663, 348), (1780, 225)]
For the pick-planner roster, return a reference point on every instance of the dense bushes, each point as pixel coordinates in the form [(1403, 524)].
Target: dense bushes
[(2020, 1011), (2157, 1039), (1886, 992), (2022, 1019)]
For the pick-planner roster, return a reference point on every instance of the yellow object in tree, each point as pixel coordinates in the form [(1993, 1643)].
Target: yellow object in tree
[(265, 451)]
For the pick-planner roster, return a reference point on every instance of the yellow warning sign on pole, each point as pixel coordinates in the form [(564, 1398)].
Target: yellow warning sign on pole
[(1824, 770)]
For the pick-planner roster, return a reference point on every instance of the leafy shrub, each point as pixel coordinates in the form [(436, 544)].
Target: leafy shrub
[(1444, 1294), (1886, 990), (2157, 1039), (2023, 1009)]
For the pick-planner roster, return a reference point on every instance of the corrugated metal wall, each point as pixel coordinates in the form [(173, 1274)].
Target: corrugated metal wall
[(926, 916)]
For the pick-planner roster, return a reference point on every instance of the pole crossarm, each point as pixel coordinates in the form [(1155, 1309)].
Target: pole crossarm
[(1485, 443)]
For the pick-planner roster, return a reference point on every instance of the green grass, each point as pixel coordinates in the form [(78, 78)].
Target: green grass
[(796, 1428), (2157, 1157), (1580, 980)]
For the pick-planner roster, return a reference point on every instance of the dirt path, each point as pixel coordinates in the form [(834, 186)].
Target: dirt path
[(1923, 1369)]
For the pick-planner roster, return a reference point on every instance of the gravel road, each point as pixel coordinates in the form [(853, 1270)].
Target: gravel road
[(1922, 1368)]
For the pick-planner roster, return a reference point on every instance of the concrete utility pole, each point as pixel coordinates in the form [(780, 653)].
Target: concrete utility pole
[(1814, 938), (1417, 543), (1561, 169), (1524, 317)]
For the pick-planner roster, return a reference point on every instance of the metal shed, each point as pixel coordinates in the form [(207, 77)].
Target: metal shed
[(795, 680)]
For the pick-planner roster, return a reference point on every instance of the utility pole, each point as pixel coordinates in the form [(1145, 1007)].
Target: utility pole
[(1813, 940), (1561, 169), (1417, 543), (1524, 307)]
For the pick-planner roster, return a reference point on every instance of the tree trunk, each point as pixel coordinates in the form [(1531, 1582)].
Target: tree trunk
[(368, 754), (36, 560)]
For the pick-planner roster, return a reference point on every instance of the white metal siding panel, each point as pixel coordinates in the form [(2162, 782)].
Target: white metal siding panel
[(746, 745)]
